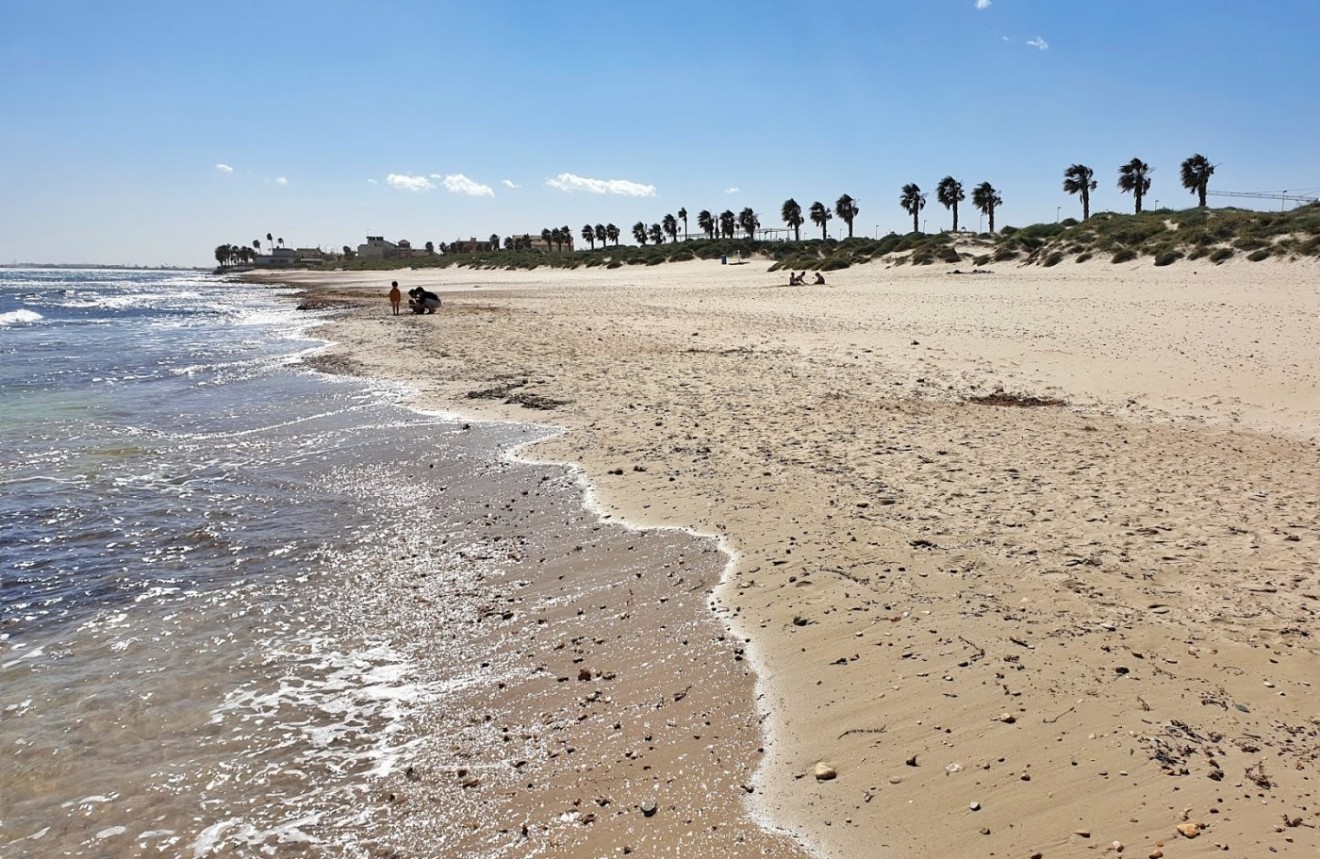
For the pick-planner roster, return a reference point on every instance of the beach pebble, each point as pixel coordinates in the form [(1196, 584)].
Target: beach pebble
[(1189, 830), (1007, 718), (648, 808), (1118, 846), (1157, 854), (974, 806), (825, 772)]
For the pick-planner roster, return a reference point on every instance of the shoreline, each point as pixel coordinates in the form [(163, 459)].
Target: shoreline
[(939, 543)]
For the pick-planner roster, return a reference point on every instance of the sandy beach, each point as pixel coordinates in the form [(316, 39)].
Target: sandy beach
[(1023, 563)]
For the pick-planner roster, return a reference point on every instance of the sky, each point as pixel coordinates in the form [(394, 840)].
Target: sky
[(145, 132)]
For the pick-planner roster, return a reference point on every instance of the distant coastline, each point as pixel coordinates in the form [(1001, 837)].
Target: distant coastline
[(102, 267)]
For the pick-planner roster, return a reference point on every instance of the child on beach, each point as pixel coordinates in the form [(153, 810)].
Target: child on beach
[(396, 297)]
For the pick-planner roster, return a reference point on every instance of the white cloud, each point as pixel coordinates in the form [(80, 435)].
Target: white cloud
[(509, 183), (280, 180), (733, 190), (460, 184), (372, 182), (982, 4), (224, 168), (409, 183), (1040, 43), (569, 182)]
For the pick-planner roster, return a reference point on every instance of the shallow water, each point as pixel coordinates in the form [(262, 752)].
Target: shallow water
[(211, 562)]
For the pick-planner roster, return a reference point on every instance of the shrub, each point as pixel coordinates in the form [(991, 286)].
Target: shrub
[(947, 254), (1005, 253), (1007, 231), (1249, 243), (1083, 257), (1124, 255), (1053, 259), (1258, 255), (1168, 258), (1069, 222), (1199, 253), (1220, 255), (981, 260), (834, 264)]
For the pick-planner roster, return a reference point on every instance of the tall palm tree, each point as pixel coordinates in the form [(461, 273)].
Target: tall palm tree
[(1134, 179), (612, 233), (706, 223), (494, 244), (657, 234), (222, 254), (270, 240), (1196, 173), (912, 201), (846, 207), (281, 241), (791, 213), (256, 244), (986, 198), (547, 236), (566, 236), (1080, 179), (639, 233), (670, 226), (749, 222), (726, 223), (950, 193), (682, 216), (589, 235), (820, 216), (601, 234)]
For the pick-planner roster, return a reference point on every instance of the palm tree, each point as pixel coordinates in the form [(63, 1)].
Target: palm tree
[(912, 201), (589, 235), (270, 240), (1196, 173), (547, 236), (612, 233), (222, 254), (986, 198), (494, 243), (670, 226), (639, 233), (749, 222), (430, 246), (950, 193), (682, 216), (706, 223), (1080, 179), (281, 241), (601, 235), (726, 223), (820, 216), (657, 234), (508, 243), (1134, 179), (846, 207), (256, 243), (792, 216), (566, 236)]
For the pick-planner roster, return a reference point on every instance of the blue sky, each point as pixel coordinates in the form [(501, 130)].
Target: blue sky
[(149, 132)]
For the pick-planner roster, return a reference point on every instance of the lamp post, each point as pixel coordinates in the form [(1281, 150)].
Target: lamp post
[(923, 225), (877, 231), (1057, 210)]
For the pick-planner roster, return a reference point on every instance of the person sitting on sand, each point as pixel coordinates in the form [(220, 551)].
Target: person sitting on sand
[(820, 278), (396, 297), (794, 279), (429, 301)]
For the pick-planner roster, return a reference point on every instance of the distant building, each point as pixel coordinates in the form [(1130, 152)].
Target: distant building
[(377, 248), (277, 258), (314, 256)]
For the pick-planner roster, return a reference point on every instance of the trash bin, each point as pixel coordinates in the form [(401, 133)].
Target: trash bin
[(724, 259)]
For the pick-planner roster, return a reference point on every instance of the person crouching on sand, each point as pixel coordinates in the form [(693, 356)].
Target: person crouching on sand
[(396, 297), (423, 301)]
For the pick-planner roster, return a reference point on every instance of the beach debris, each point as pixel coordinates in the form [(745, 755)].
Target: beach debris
[(974, 805), (1189, 830), (825, 772), (648, 808), (1007, 718), (912, 761), (1118, 846)]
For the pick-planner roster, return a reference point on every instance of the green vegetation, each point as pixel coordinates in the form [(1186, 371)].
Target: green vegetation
[(1166, 237)]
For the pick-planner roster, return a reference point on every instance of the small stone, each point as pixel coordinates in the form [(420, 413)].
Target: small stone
[(1118, 846), (895, 779), (1189, 830), (1157, 854), (985, 830), (1082, 833), (825, 772), (648, 808), (584, 674), (1007, 718), (974, 806)]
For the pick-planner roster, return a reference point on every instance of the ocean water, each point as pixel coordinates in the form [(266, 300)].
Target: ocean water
[(214, 567)]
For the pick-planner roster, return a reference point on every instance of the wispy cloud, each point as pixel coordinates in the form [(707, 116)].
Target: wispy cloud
[(224, 168), (372, 182), (1040, 43), (734, 190), (509, 183), (280, 180), (569, 182), (460, 184), (409, 183), (982, 4)]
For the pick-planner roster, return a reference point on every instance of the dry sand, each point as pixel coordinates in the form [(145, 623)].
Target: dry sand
[(1006, 629)]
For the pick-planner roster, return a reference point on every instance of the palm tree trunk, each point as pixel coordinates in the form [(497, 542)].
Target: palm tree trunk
[(914, 220), (992, 219), (955, 217)]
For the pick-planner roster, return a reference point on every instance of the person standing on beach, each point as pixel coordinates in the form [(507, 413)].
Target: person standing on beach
[(396, 297)]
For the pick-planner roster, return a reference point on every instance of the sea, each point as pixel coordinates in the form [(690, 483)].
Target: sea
[(210, 561)]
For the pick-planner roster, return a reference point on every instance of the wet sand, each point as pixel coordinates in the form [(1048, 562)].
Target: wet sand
[(1032, 555)]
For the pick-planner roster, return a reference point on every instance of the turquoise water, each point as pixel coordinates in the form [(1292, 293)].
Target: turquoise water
[(207, 554)]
